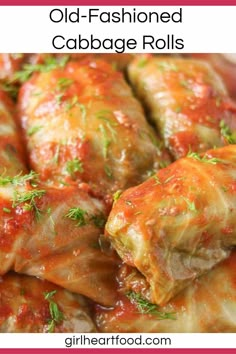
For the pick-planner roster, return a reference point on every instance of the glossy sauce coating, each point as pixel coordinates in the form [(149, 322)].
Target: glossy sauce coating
[(40, 235), (36, 235), (24, 307), (207, 305), (82, 123), (187, 102), (179, 223), (86, 132)]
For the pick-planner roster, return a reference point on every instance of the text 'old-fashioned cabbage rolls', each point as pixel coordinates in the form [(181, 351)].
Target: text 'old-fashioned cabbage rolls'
[(82, 123), (28, 304), (179, 223), (207, 305), (187, 101)]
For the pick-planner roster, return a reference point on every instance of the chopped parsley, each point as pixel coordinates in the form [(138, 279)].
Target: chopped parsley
[(6, 210), (142, 62), (167, 66), (185, 84), (163, 164), (20, 179), (71, 103), (156, 179), (11, 89), (63, 83), (204, 158), (105, 141), (117, 195), (169, 179), (83, 111), (55, 313), (191, 205), (28, 198), (49, 64), (227, 133), (108, 171), (74, 166), (103, 113), (145, 307), (31, 131), (78, 215)]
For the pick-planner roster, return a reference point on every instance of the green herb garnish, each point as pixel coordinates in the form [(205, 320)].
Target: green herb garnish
[(31, 131), (156, 179), (227, 133), (167, 66), (108, 171), (142, 62), (74, 166), (55, 313), (63, 83), (117, 195), (78, 215), (205, 158), (6, 210), (145, 307), (49, 64), (185, 84), (105, 141), (72, 103), (11, 89), (191, 205), (19, 179)]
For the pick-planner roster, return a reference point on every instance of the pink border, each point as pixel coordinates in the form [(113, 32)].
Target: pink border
[(117, 2), (117, 351), (120, 3)]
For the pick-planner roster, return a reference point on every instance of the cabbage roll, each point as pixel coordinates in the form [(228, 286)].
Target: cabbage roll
[(207, 305), (82, 123), (179, 223), (187, 101)]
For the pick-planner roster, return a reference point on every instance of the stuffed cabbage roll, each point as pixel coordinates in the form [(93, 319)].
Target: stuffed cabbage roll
[(82, 123), (11, 151), (207, 305), (179, 223), (187, 102), (54, 234), (28, 304)]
